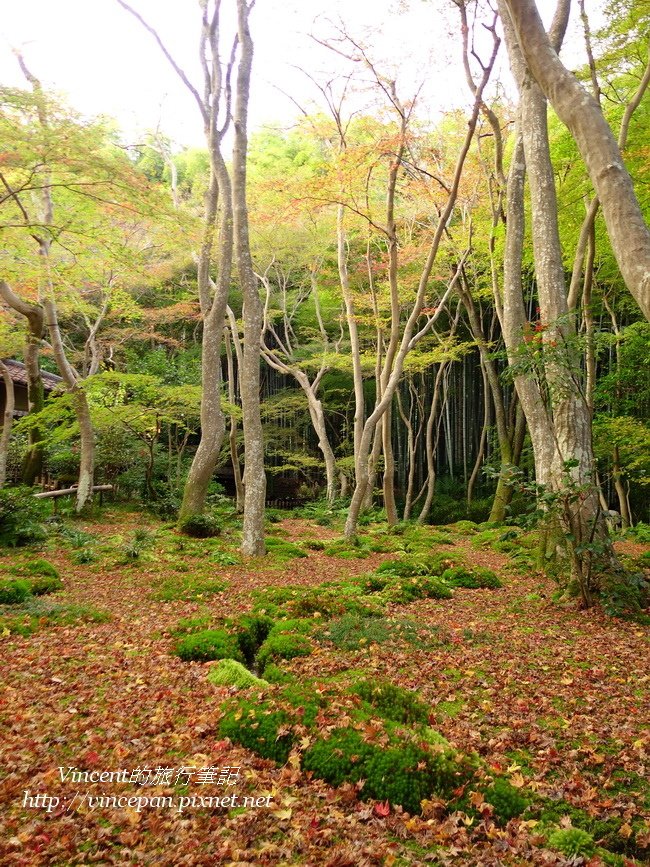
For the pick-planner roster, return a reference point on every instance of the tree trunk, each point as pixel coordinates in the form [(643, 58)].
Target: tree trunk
[(254, 476), (234, 451), (558, 418), (7, 422), (577, 108), (33, 462), (82, 410)]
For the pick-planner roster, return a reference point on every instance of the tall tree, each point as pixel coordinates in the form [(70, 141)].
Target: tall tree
[(580, 111)]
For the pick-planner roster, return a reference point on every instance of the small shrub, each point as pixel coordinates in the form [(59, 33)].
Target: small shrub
[(209, 644), (507, 801), (84, 556), (225, 558), (21, 518), (14, 592), (203, 526), (625, 595), (281, 646), (572, 842), (77, 538), (229, 672), (473, 578), (392, 702), (640, 532)]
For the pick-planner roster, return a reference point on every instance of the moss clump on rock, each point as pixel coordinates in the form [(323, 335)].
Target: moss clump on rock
[(229, 672)]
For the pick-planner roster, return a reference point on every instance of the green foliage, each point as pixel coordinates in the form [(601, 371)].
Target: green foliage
[(14, 592), (281, 646), (626, 594), (324, 601), (187, 588), (274, 674), (507, 801), (472, 578), (355, 549), (137, 544), (203, 526), (225, 558), (392, 702), (21, 518), (572, 842), (229, 672), (640, 532), (209, 644)]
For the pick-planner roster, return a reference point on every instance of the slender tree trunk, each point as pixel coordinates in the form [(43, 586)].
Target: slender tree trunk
[(7, 422), (234, 451), (254, 475), (33, 462), (82, 410), (430, 447)]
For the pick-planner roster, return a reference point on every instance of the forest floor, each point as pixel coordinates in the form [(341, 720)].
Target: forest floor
[(552, 698)]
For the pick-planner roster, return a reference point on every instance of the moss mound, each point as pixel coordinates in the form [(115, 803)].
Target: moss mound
[(14, 591), (209, 644), (471, 578), (392, 702)]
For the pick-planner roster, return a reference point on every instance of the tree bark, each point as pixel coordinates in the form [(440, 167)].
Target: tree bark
[(580, 112), (254, 475), (7, 422)]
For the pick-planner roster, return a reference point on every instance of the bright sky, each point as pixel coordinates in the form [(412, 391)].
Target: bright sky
[(106, 63)]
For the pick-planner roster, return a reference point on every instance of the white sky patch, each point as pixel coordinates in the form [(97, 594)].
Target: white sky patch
[(101, 58)]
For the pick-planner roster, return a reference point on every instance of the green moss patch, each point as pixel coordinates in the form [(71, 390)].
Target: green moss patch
[(392, 702), (14, 591), (209, 644), (471, 578), (281, 645), (187, 588)]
